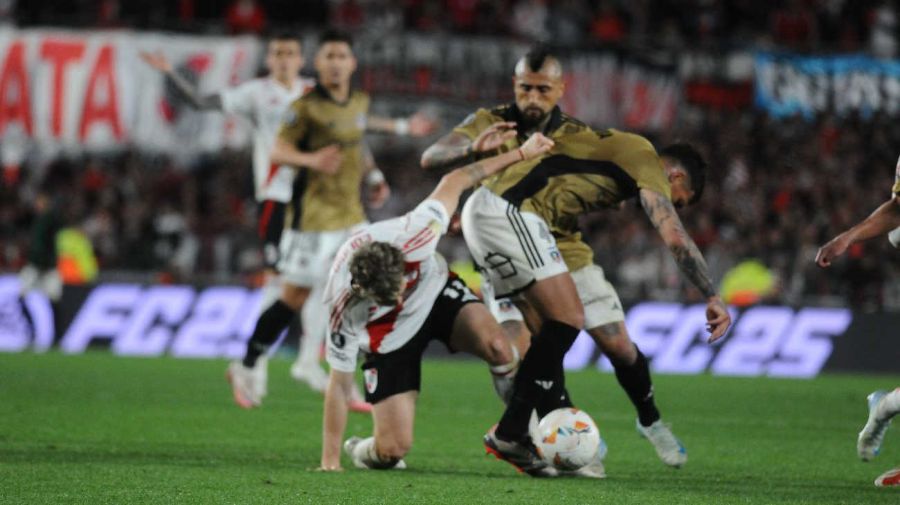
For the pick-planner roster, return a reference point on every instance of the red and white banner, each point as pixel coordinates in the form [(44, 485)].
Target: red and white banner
[(66, 90)]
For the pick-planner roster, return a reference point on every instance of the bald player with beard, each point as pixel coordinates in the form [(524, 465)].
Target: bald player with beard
[(614, 165)]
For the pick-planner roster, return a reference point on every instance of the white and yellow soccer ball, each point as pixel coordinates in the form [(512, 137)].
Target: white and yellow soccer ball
[(568, 438)]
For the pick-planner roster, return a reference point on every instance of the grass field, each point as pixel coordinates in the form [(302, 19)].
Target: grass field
[(100, 429)]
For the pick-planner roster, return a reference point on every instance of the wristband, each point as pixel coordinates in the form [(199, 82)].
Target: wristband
[(374, 177), (401, 126)]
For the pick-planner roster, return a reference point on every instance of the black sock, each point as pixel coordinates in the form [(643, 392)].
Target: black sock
[(635, 380), (269, 326), (29, 322), (539, 371), (557, 398)]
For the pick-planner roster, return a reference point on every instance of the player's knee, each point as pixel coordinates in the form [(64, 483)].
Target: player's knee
[(294, 296), (499, 348), (394, 449), (613, 340)]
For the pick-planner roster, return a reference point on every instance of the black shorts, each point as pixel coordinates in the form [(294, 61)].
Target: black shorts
[(401, 370), (269, 228)]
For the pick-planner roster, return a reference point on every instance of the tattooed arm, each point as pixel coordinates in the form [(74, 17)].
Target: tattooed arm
[(456, 149), (454, 183), (666, 221)]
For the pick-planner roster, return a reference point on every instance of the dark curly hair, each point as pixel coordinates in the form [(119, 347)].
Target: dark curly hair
[(377, 272)]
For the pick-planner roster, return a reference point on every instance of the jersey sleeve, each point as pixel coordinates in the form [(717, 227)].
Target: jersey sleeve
[(475, 123), (426, 224), (347, 328), (295, 123), (639, 159), (240, 100)]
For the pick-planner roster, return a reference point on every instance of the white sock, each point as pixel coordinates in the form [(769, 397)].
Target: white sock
[(503, 376), (315, 328), (889, 405), (365, 453)]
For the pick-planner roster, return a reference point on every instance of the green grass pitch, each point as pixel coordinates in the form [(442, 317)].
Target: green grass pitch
[(100, 429)]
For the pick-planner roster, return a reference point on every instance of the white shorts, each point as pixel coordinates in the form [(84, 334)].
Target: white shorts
[(503, 309), (514, 248), (599, 297), (48, 282), (306, 256)]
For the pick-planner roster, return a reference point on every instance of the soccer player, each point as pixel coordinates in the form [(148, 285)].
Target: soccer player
[(883, 405), (322, 137), (529, 237), (40, 273), (389, 294), (263, 102)]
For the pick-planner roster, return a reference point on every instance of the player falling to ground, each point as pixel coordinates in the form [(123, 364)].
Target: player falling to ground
[(389, 294), (883, 406), (322, 136), (264, 102), (585, 171)]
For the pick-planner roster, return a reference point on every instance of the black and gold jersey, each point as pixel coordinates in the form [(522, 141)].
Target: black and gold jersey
[(323, 202), (586, 170)]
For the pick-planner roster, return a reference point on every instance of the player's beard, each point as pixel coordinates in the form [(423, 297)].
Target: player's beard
[(532, 116)]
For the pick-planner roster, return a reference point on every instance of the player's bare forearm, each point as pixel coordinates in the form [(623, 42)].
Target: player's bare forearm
[(284, 153), (688, 257), (454, 183), (186, 89), (450, 151), (885, 218), (380, 124), (335, 418)]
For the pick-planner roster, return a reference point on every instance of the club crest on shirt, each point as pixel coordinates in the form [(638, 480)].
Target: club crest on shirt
[(371, 378)]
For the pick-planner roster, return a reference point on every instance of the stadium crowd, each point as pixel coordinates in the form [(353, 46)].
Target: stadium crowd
[(801, 25), (777, 190)]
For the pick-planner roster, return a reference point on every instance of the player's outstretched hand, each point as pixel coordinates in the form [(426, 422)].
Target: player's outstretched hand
[(836, 247), (327, 160), (717, 318), (379, 194), (536, 145), (157, 61), (421, 125), (494, 136)]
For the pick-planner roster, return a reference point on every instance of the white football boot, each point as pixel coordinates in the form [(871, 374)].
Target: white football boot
[(248, 385), (869, 442), (313, 376), (669, 449)]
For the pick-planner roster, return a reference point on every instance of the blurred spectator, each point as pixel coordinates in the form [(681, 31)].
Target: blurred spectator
[(348, 15), (794, 25), (245, 16), (608, 25), (883, 37), (529, 19)]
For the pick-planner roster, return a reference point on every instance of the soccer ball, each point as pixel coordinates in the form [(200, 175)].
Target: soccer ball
[(567, 438)]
